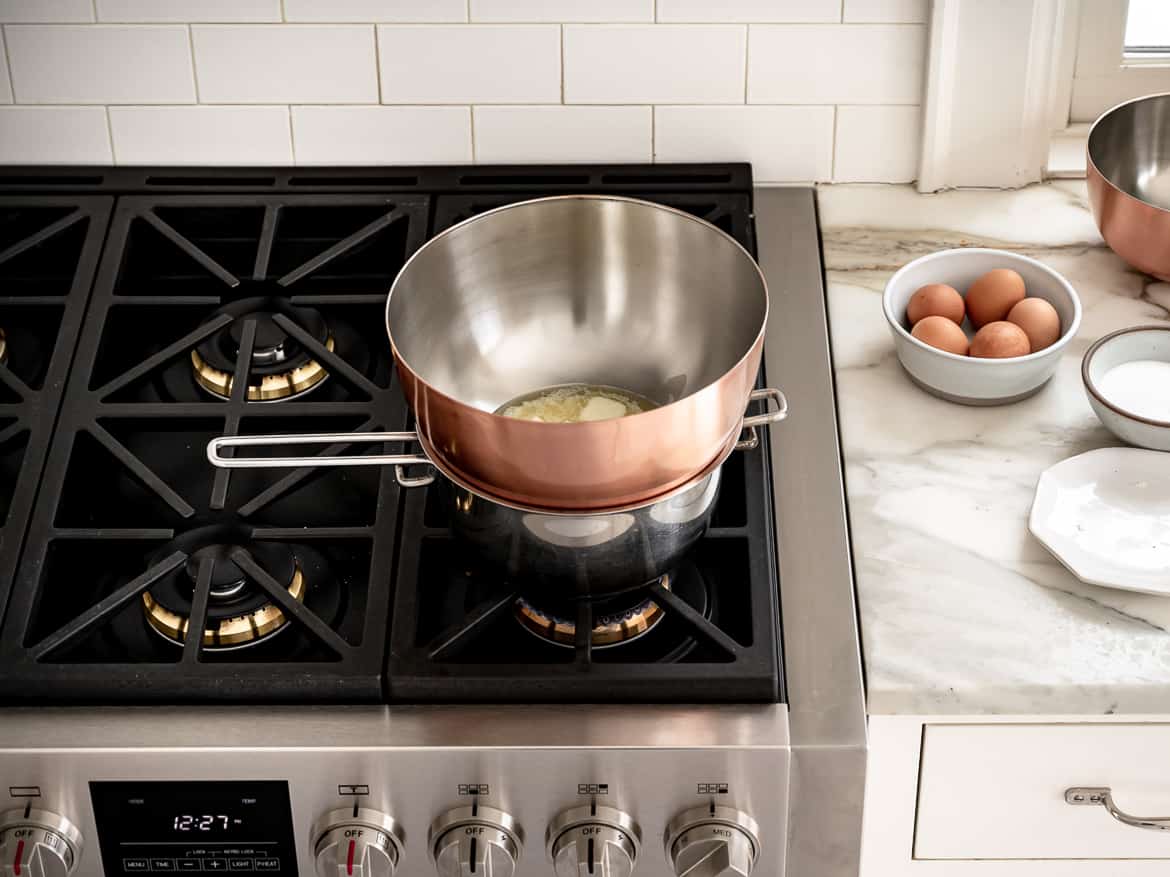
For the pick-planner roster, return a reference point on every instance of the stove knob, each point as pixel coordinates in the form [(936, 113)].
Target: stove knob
[(476, 841), (592, 841), (367, 843), (713, 842), (37, 844)]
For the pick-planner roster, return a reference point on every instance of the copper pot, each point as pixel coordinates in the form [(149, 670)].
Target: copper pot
[(573, 289), (1128, 174)]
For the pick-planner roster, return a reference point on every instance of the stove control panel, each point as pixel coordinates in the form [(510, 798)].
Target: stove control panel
[(475, 840), (713, 842), (356, 842), (593, 840), (37, 843)]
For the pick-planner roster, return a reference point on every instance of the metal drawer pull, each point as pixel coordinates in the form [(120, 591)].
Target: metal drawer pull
[(1092, 796)]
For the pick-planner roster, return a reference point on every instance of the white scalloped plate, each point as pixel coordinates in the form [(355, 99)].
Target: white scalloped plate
[(1106, 516)]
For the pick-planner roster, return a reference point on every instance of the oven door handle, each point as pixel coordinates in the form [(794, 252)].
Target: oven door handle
[(1081, 796)]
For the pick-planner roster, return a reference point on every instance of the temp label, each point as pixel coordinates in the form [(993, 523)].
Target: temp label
[(593, 788), (712, 789)]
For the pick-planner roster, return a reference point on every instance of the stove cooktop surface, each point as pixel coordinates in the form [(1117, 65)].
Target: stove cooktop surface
[(146, 312)]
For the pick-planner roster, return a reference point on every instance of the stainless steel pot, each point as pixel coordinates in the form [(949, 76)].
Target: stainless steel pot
[(566, 553)]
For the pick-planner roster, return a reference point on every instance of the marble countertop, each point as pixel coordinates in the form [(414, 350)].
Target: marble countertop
[(962, 610)]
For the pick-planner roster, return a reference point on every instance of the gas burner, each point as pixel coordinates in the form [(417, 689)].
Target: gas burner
[(281, 368), (239, 612), (613, 624)]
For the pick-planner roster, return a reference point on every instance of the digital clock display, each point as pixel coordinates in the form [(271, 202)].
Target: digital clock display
[(206, 822), (194, 825)]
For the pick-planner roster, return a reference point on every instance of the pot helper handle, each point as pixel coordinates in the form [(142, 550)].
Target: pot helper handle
[(772, 415)]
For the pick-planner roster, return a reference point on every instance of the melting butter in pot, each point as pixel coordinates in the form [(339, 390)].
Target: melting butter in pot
[(575, 403)]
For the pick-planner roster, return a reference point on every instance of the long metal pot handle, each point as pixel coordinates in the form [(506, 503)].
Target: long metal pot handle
[(773, 415), (216, 446)]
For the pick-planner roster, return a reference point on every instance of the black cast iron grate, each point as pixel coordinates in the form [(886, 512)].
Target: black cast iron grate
[(128, 498), (129, 506), (49, 248)]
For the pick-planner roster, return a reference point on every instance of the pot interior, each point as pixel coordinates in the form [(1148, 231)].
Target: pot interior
[(1130, 146), (578, 289)]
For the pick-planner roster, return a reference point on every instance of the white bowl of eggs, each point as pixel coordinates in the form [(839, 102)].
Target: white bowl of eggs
[(980, 326)]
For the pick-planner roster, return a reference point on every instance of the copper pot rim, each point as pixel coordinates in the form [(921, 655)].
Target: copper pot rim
[(1092, 388), (1091, 165), (474, 487), (642, 417)]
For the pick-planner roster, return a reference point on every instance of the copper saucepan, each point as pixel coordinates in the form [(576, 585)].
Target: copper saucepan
[(1128, 175), (574, 289)]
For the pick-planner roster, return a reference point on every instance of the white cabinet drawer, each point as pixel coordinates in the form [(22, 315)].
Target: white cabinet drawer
[(997, 791)]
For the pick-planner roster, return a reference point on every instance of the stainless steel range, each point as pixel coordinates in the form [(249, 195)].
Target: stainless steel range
[(303, 672)]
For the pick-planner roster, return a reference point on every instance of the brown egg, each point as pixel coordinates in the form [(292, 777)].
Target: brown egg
[(941, 333), (992, 295), (936, 299), (999, 340), (1038, 319)]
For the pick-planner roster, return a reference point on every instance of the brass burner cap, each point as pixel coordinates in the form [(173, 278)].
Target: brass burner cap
[(230, 632), (278, 386), (608, 630)]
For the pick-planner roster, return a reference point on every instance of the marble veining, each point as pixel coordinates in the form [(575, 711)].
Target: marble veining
[(962, 610)]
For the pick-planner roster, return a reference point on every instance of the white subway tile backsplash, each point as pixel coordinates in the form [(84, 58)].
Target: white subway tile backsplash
[(789, 11), (464, 64), (42, 11), (886, 10), (382, 135), (562, 10), (100, 64), (877, 144), (836, 63), (285, 63), (5, 84), (562, 134), (54, 135), (375, 10), (188, 10), (201, 135), (784, 144), (654, 63)]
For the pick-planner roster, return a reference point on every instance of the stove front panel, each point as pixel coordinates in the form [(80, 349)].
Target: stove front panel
[(737, 760)]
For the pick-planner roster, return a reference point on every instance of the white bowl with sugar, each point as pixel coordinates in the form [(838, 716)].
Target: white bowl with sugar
[(1127, 379)]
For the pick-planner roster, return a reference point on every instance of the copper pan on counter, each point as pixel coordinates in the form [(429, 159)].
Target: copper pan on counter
[(598, 290), (1128, 175)]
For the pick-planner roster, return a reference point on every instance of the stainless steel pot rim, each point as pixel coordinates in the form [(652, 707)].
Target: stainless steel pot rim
[(584, 197), (1095, 392), (459, 481), (1089, 140)]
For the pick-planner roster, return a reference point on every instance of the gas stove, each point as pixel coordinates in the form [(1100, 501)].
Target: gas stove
[(303, 671)]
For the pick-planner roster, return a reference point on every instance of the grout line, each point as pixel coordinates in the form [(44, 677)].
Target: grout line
[(655, 19), (8, 62), (95, 11), (653, 134), (841, 13), (471, 112), (292, 139), (747, 55), (467, 12), (377, 60), (562, 63), (194, 72), (283, 12), (110, 134), (833, 147)]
